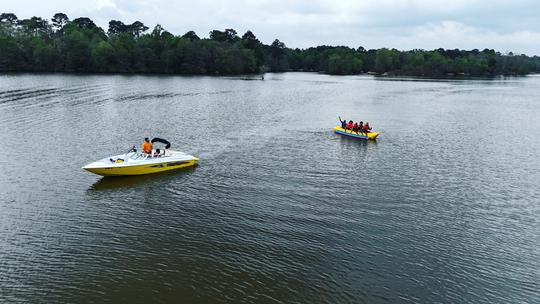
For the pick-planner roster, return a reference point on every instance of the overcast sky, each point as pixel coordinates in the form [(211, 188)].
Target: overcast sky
[(504, 25)]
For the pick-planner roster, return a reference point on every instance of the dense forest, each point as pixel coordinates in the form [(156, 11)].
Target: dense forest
[(79, 45)]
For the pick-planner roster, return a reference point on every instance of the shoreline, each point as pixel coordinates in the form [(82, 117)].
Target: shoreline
[(373, 74)]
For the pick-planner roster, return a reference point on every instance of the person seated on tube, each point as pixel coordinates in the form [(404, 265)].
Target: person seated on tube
[(361, 127), (343, 123), (355, 128), (147, 146), (350, 125), (367, 128)]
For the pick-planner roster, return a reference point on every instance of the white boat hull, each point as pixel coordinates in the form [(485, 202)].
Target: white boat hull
[(139, 164)]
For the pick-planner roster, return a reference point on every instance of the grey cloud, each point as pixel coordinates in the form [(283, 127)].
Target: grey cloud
[(503, 25)]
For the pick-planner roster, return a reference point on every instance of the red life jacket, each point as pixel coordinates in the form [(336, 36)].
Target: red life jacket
[(349, 126)]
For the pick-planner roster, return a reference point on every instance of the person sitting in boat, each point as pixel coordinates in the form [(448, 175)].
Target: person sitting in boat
[(361, 126), (367, 128), (147, 146), (355, 127), (343, 123), (350, 125)]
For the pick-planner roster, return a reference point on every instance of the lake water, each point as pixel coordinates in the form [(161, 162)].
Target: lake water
[(443, 208)]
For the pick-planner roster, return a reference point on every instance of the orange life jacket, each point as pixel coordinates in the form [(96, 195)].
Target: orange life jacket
[(147, 147)]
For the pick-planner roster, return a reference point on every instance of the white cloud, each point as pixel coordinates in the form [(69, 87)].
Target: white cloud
[(450, 34)]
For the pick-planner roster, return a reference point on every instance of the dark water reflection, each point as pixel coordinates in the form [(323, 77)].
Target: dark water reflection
[(126, 182), (442, 209)]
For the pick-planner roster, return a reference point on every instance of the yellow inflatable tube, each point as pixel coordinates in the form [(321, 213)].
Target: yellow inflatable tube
[(370, 135)]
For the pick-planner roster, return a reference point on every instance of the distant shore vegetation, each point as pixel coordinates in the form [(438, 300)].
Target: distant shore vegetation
[(80, 46)]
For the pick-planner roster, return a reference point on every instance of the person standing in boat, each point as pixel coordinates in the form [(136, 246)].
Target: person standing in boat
[(147, 146)]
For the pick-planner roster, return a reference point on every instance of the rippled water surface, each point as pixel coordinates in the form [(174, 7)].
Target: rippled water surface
[(443, 208)]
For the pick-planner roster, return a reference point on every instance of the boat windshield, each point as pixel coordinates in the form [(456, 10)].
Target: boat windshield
[(141, 156)]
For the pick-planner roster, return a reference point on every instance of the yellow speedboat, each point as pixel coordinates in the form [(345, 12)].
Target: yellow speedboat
[(370, 135), (135, 163)]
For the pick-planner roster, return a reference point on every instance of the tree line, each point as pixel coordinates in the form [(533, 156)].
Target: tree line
[(79, 45)]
